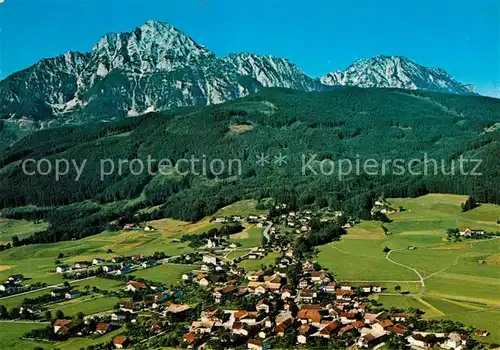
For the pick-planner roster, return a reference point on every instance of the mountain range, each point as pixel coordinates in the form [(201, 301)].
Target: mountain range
[(157, 67)]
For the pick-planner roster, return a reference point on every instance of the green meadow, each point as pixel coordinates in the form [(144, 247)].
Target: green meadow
[(461, 278), (165, 274), (88, 305), (19, 228), (252, 265), (12, 332)]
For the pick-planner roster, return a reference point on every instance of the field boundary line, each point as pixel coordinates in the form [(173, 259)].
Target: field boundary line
[(446, 268)]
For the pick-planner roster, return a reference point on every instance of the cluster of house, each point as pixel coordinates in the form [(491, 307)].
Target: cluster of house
[(71, 327), (12, 284), (468, 232), (128, 227), (79, 267), (114, 266), (299, 221), (67, 293), (253, 219), (380, 207), (274, 314), (317, 306)]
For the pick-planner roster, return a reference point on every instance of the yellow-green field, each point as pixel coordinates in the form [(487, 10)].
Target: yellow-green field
[(455, 283)]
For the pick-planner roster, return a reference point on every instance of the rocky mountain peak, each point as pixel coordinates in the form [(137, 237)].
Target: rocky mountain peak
[(153, 46), (272, 71), (157, 67), (397, 72)]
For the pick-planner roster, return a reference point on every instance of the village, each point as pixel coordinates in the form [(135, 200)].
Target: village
[(291, 302)]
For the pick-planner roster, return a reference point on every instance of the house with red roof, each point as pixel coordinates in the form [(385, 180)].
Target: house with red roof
[(133, 286), (120, 342)]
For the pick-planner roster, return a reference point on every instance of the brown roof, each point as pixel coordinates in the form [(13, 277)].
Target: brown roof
[(190, 337), (120, 340), (228, 289), (262, 302), (201, 276), (283, 325), (176, 308), (307, 293), (346, 329), (310, 314), (386, 323), (348, 314), (318, 273), (255, 342), (237, 325), (103, 327), (330, 327), (358, 324), (273, 286), (136, 284), (397, 329), (369, 337), (239, 314), (62, 323), (344, 292)]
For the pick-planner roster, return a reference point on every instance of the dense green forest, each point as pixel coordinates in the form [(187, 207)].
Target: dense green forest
[(351, 123)]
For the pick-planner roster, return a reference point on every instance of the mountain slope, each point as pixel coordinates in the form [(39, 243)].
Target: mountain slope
[(396, 72), (273, 72), (347, 123), (156, 67)]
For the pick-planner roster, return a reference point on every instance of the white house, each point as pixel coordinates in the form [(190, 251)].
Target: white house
[(72, 295), (187, 277), (209, 259), (81, 265), (97, 261), (454, 342), (263, 305), (5, 287), (108, 268), (63, 269), (204, 282)]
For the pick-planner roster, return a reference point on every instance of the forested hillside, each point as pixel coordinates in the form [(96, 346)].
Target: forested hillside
[(348, 123)]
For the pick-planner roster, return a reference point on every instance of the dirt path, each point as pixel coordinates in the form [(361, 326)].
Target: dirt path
[(422, 282)]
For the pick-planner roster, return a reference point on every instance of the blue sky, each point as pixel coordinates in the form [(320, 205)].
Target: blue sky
[(463, 37)]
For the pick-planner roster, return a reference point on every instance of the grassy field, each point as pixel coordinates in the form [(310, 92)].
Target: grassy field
[(250, 237), (236, 254), (20, 228), (11, 334), (455, 282), (82, 343), (165, 274), (88, 305), (252, 265)]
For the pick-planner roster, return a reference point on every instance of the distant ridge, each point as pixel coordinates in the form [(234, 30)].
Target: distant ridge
[(157, 67)]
